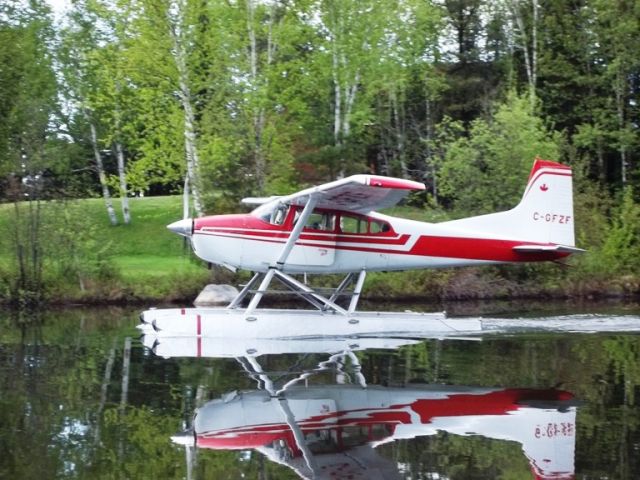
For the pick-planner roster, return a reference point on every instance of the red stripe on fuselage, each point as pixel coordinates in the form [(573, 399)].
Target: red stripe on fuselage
[(478, 249), (487, 249), (267, 236)]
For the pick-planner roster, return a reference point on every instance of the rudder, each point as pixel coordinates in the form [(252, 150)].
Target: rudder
[(545, 213)]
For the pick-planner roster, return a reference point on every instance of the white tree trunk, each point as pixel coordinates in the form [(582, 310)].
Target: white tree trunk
[(530, 60), (620, 86), (185, 198), (124, 196), (102, 176), (350, 97), (534, 46), (337, 104), (191, 151), (430, 166), (399, 132), (258, 112)]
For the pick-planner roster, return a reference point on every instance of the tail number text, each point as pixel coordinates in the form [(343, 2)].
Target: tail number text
[(551, 217)]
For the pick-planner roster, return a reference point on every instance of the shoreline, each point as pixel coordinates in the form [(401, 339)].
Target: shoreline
[(593, 297)]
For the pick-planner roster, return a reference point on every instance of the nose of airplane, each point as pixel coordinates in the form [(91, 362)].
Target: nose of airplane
[(182, 227), (186, 438)]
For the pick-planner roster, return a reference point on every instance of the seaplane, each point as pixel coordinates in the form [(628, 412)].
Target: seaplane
[(334, 229)]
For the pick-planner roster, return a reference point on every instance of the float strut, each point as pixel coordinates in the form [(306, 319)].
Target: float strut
[(243, 293), (266, 281)]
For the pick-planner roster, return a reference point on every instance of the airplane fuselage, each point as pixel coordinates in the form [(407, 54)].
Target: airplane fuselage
[(335, 241)]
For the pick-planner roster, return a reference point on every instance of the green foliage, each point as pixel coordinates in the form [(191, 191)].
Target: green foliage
[(621, 248), (287, 94), (497, 155), (77, 250), (616, 245), (88, 260)]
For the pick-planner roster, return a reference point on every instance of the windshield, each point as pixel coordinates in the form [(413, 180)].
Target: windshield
[(273, 212)]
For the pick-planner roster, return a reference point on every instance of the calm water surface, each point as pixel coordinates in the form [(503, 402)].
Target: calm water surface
[(82, 397)]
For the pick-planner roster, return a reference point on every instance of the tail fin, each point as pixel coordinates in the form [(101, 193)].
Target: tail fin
[(545, 213), (543, 216)]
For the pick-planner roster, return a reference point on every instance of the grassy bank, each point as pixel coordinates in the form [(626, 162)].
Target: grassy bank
[(89, 261), (137, 262)]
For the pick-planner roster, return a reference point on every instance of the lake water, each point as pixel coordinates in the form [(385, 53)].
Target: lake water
[(547, 391)]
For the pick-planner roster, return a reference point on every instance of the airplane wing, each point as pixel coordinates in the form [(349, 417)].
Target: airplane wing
[(259, 200), (358, 193)]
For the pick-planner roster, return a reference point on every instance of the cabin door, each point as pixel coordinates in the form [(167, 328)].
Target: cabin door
[(317, 243)]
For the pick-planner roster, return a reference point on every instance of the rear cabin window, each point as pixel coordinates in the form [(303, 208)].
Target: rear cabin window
[(352, 224)]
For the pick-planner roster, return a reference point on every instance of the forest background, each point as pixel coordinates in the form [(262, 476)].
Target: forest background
[(223, 99)]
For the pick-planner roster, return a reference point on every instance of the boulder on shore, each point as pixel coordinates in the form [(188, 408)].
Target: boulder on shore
[(216, 295)]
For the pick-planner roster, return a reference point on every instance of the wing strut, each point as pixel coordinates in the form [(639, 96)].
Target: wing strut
[(308, 293), (295, 233), (286, 250)]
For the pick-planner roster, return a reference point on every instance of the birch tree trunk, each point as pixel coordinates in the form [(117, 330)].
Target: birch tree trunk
[(530, 59), (102, 176), (337, 101), (619, 87), (344, 99), (184, 93), (534, 47), (399, 131), (124, 194), (429, 163), (258, 112)]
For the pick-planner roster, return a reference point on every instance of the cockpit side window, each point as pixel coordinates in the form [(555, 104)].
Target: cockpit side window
[(278, 215), (324, 221)]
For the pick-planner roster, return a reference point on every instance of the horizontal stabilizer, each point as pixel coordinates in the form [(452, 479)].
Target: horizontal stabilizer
[(547, 249)]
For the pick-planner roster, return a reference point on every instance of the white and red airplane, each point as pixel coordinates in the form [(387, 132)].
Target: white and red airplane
[(332, 228), (332, 431)]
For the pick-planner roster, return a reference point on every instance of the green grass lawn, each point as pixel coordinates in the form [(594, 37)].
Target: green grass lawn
[(144, 248)]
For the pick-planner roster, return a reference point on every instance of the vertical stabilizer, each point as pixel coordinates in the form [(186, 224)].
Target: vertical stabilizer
[(545, 212), (543, 216)]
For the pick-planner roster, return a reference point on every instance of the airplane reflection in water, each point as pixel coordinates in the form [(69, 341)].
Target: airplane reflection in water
[(332, 431), (324, 431)]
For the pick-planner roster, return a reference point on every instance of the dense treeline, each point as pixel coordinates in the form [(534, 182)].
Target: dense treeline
[(224, 99)]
